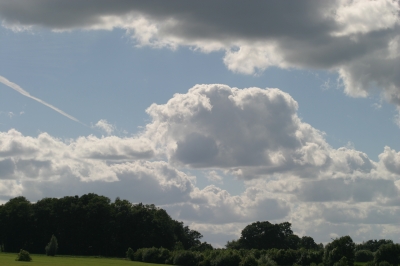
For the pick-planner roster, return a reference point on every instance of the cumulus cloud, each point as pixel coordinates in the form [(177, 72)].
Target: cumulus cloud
[(289, 171), (251, 133), (331, 35)]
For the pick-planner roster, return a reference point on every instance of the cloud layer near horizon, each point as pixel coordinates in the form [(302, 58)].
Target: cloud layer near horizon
[(254, 135), (328, 35)]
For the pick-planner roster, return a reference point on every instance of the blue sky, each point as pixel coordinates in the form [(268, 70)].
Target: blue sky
[(213, 156)]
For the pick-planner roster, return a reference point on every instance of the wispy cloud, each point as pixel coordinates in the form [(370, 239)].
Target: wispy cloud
[(25, 93), (105, 126)]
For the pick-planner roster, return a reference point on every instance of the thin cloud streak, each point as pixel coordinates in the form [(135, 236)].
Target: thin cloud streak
[(25, 93)]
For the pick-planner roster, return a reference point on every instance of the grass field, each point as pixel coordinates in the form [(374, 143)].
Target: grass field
[(8, 259)]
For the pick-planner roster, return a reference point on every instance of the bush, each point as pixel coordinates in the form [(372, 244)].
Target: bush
[(384, 263), (249, 261), (226, 258), (306, 257), (130, 254), (52, 246), (266, 261), (151, 255), (164, 255), (342, 262), (183, 257), (364, 256), (23, 255), (137, 256)]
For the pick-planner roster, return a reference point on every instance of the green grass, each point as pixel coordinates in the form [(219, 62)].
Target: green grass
[(8, 259)]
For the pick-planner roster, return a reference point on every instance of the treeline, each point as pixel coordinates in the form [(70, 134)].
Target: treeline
[(340, 252), (91, 225)]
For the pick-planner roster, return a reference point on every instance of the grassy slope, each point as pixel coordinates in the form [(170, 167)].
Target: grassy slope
[(8, 259)]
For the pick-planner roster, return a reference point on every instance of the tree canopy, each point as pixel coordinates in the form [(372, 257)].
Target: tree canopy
[(90, 225)]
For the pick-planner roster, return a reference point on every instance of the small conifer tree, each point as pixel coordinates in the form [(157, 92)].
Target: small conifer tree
[(52, 246)]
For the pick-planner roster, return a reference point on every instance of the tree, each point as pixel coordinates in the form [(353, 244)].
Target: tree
[(373, 245), (52, 246), (308, 242), (364, 255), (389, 253), (339, 248), (264, 235)]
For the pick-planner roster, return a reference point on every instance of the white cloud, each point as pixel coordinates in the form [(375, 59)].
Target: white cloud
[(213, 176), (251, 133), (103, 125), (331, 35), (290, 172)]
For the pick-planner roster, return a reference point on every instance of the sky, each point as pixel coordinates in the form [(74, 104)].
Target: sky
[(222, 112)]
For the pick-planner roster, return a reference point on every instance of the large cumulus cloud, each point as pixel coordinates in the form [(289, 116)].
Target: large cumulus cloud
[(331, 35), (249, 132)]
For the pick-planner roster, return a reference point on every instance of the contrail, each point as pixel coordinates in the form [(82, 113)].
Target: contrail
[(25, 93)]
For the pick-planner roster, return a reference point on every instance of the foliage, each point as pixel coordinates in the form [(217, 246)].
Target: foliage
[(226, 258), (130, 254), (307, 242), (339, 248), (17, 225), (90, 225), (372, 245), (52, 246), (137, 256), (342, 262), (249, 261), (264, 235), (266, 261), (23, 255), (283, 257), (184, 257), (202, 247), (389, 253), (308, 257), (363, 255), (384, 263)]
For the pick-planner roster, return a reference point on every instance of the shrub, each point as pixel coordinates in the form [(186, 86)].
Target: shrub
[(52, 246), (130, 254), (164, 255), (137, 256), (384, 263), (23, 255), (151, 255), (266, 261), (226, 258), (184, 257), (342, 262), (364, 256), (249, 261)]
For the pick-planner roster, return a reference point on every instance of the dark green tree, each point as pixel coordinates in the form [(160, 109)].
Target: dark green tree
[(52, 246), (16, 225), (339, 248), (308, 242), (264, 235), (373, 244), (389, 253), (364, 256)]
